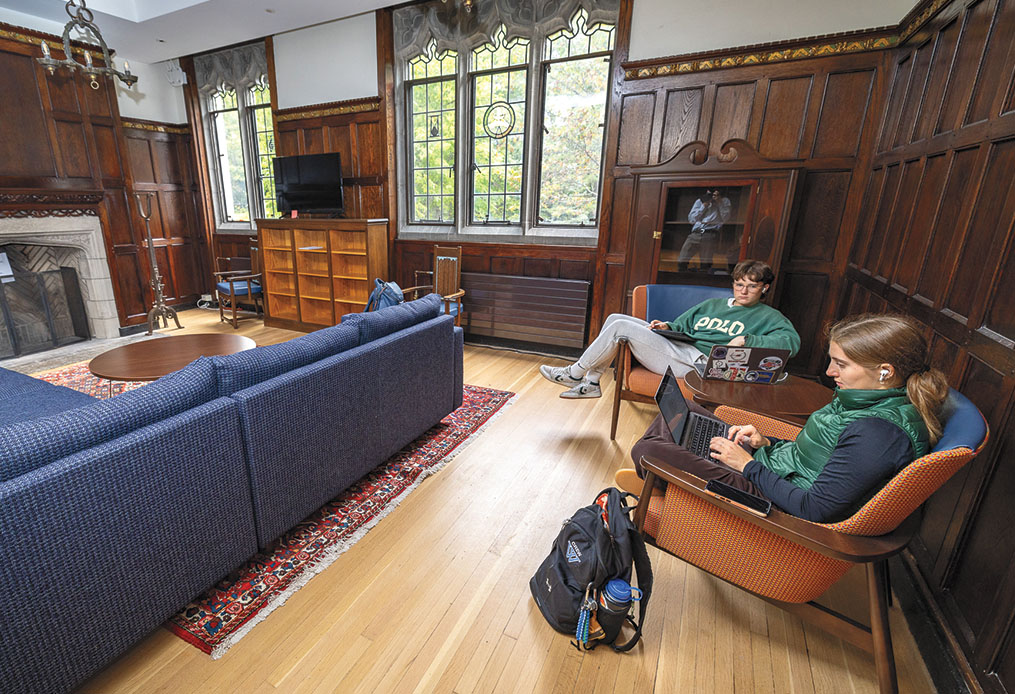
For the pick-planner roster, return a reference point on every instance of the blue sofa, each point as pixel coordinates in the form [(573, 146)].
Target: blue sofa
[(116, 513)]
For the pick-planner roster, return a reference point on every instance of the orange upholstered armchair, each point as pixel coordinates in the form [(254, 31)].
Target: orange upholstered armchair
[(789, 561), (651, 302)]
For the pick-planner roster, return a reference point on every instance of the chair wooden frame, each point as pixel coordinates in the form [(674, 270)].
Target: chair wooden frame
[(445, 279), (232, 277)]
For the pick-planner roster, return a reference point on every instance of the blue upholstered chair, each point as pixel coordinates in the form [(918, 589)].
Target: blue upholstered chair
[(652, 302), (238, 281)]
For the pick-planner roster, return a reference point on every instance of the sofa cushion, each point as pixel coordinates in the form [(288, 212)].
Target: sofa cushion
[(23, 397), (32, 443), (390, 320), (235, 372)]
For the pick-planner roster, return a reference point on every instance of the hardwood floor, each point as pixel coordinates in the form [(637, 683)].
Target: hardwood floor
[(436, 598)]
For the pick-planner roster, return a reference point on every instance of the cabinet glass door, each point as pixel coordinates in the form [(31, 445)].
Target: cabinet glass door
[(703, 231)]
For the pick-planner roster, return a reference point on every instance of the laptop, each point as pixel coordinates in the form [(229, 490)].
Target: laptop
[(691, 430), (674, 335), (746, 364)]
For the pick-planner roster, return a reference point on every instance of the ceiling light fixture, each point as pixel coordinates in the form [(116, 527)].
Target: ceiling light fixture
[(82, 18), (467, 4)]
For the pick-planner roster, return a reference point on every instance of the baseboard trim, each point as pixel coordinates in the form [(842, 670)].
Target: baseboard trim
[(947, 665)]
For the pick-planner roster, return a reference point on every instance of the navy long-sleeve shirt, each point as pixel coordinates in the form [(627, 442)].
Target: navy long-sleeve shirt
[(869, 452)]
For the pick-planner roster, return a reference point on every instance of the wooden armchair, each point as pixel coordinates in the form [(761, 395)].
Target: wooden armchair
[(652, 302), (238, 280), (788, 561), (445, 279)]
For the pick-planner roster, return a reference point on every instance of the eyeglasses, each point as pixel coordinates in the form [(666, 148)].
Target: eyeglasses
[(746, 287)]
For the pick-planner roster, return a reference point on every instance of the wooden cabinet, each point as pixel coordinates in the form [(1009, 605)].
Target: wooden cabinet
[(318, 270), (695, 216)]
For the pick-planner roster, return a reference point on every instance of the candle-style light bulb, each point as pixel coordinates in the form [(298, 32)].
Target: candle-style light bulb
[(45, 48), (88, 58), (126, 66)]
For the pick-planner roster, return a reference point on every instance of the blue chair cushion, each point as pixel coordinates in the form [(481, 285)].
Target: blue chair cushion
[(23, 397), (390, 320), (235, 372), (667, 301), (963, 424), (30, 444), (239, 288)]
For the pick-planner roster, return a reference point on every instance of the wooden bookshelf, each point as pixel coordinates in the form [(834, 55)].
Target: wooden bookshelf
[(318, 270)]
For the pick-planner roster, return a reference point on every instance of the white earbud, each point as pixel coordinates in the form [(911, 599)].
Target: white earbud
[(884, 375)]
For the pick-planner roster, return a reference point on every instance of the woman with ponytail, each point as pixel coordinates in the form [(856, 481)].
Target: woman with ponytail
[(885, 413)]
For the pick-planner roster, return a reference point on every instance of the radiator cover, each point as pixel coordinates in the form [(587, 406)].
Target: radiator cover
[(540, 310)]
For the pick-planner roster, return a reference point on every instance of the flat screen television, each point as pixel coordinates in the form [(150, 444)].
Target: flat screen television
[(309, 183)]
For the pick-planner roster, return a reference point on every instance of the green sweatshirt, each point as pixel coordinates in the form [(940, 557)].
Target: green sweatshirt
[(717, 321)]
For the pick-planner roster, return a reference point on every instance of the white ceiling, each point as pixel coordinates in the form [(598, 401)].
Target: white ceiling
[(154, 30)]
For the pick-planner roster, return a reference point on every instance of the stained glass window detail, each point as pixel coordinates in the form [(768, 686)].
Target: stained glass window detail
[(499, 84), (431, 107), (579, 38)]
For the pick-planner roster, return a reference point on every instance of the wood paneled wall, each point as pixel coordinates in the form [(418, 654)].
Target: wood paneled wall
[(935, 240), (818, 115), (354, 130), (60, 138), (161, 163)]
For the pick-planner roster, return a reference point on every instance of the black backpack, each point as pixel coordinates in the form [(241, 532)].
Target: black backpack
[(588, 553)]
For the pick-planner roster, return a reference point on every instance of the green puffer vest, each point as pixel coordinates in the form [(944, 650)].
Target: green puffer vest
[(801, 462)]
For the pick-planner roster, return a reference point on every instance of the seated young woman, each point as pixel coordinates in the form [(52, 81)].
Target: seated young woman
[(884, 414), (740, 321)]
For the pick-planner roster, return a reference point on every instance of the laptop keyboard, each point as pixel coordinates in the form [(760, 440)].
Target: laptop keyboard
[(702, 431)]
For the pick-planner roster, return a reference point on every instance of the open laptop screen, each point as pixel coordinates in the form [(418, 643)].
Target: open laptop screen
[(672, 405)]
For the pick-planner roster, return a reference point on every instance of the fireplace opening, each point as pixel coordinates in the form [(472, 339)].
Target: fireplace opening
[(40, 308)]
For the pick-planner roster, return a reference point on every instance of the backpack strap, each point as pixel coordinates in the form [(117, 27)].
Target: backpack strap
[(643, 569)]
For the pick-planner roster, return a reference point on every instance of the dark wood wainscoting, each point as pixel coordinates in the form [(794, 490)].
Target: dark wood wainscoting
[(354, 130), (233, 245), (816, 116), (935, 240), (527, 261), (61, 137), (161, 163)]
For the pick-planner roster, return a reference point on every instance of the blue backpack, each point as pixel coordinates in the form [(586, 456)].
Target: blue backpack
[(384, 294)]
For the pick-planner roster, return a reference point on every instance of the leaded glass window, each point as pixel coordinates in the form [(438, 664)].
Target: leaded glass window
[(499, 81), (432, 99), (264, 146)]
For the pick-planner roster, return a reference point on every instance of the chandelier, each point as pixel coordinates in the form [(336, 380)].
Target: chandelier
[(82, 17), (467, 4)]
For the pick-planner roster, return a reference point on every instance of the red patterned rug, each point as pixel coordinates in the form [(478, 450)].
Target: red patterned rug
[(224, 614), (78, 377)]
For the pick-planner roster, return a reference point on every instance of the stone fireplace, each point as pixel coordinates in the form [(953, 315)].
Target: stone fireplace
[(77, 242)]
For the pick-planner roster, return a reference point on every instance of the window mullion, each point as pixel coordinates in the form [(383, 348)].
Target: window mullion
[(534, 118)]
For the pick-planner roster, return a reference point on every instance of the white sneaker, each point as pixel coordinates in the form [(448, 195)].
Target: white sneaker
[(583, 390), (561, 375)]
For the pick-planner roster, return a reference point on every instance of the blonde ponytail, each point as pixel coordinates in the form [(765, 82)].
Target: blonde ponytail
[(928, 390)]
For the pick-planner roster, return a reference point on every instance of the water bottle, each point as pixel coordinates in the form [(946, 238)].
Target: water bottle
[(614, 604)]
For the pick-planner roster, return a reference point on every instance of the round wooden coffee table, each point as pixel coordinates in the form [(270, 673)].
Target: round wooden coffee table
[(793, 399), (151, 359)]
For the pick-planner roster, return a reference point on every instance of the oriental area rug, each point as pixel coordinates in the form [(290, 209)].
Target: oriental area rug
[(222, 615)]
